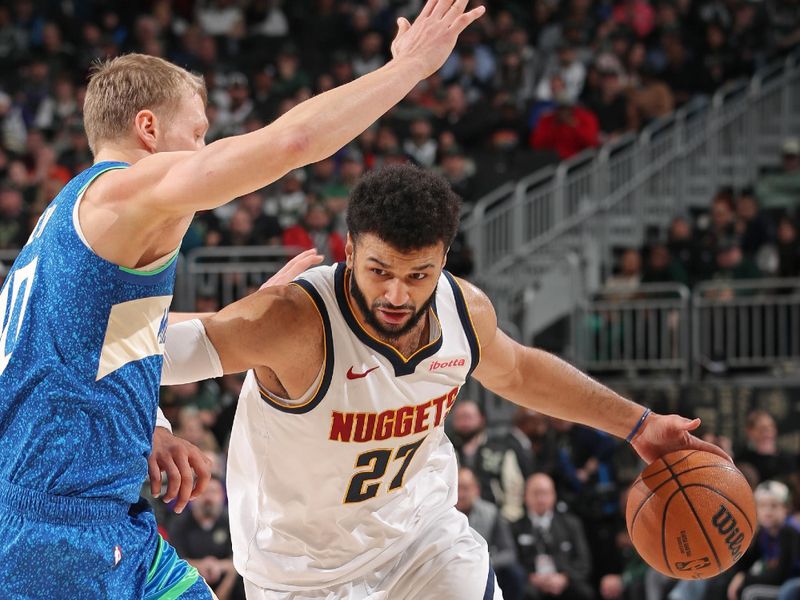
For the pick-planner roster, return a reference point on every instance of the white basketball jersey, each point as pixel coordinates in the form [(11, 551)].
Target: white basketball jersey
[(323, 488)]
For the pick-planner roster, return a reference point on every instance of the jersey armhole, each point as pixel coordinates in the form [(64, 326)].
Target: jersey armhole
[(466, 322), (323, 382), (154, 268)]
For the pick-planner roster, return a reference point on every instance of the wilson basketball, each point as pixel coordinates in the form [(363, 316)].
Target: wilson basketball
[(691, 514)]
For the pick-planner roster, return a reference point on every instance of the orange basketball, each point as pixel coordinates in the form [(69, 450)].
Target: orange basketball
[(691, 514)]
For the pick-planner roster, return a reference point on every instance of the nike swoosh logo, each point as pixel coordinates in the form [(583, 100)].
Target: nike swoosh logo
[(351, 375)]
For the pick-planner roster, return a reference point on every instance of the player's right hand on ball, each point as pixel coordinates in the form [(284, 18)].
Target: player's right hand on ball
[(432, 37), (662, 434)]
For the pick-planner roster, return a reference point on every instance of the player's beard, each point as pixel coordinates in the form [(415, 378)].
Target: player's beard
[(389, 334)]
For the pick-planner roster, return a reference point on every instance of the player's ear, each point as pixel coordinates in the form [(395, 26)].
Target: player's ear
[(349, 251), (146, 128)]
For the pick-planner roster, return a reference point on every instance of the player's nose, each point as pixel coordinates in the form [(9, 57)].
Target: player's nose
[(396, 293)]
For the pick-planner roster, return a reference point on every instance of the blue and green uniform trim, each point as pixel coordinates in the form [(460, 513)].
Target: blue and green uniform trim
[(169, 576)]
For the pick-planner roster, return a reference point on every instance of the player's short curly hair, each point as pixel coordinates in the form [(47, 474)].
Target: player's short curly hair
[(406, 207)]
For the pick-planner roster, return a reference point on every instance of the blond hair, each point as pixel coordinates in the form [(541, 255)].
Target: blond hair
[(121, 87)]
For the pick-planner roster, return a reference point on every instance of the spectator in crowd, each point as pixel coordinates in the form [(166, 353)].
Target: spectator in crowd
[(651, 97), (782, 189), (762, 451), (191, 426), (626, 281), (775, 555), (585, 479), (627, 582), (788, 248), (615, 112), (568, 129), (681, 72), (459, 171), (13, 225), (421, 146), (732, 264), (485, 518), (569, 69), (715, 232), (286, 199), (551, 546), (681, 245), (316, 232), (751, 226), (535, 427), (637, 15), (202, 536), (491, 460), (266, 231), (468, 124), (662, 268)]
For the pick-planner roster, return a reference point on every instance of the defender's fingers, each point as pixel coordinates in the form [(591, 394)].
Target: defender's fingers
[(467, 19), (154, 472), (202, 473), (427, 9), (402, 26), (456, 10), (441, 8), (185, 490), (173, 480)]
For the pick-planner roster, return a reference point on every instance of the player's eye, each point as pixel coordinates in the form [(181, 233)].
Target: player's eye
[(418, 276), (380, 272)]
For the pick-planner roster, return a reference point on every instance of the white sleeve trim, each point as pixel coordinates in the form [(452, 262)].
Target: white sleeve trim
[(189, 355), (162, 421)]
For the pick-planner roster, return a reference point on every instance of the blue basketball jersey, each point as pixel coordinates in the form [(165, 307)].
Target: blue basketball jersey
[(81, 343)]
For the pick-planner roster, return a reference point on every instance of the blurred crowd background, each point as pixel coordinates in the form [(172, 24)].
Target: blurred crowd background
[(532, 83)]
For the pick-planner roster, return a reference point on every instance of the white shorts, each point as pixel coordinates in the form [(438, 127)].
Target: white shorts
[(449, 561)]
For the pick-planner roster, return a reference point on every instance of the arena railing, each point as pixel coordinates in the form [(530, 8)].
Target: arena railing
[(633, 332), (225, 274), (746, 324), (613, 195)]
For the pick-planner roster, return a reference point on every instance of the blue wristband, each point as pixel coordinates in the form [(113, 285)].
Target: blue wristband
[(638, 425)]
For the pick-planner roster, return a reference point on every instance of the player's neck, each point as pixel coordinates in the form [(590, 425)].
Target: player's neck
[(120, 154)]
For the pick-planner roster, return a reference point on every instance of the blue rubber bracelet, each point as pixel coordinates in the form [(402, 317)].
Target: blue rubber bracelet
[(638, 425)]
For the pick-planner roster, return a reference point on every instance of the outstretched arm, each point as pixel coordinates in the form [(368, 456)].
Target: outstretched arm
[(541, 381), (180, 183)]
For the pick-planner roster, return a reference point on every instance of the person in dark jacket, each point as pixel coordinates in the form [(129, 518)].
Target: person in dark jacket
[(551, 546), (485, 518)]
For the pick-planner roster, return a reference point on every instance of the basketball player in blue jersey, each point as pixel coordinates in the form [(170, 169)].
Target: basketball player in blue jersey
[(84, 310), (342, 483)]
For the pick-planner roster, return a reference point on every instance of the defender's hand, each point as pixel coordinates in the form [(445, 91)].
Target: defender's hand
[(293, 268), (661, 434), (432, 37), (188, 469)]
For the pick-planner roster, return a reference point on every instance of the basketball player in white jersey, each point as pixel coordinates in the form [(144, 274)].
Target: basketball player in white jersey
[(342, 482)]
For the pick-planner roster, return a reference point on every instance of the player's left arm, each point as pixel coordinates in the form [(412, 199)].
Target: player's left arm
[(541, 381)]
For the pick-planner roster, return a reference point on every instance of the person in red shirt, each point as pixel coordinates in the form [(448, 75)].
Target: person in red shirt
[(315, 232), (567, 129)]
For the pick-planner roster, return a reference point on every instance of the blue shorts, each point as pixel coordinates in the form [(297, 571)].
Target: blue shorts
[(55, 547)]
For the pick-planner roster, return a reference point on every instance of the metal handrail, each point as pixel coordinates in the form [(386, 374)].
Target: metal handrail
[(694, 129)]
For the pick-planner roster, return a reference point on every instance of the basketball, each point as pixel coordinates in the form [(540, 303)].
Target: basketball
[(691, 514)]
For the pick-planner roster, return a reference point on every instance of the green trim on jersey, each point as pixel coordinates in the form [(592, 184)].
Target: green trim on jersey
[(155, 271), (169, 575)]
